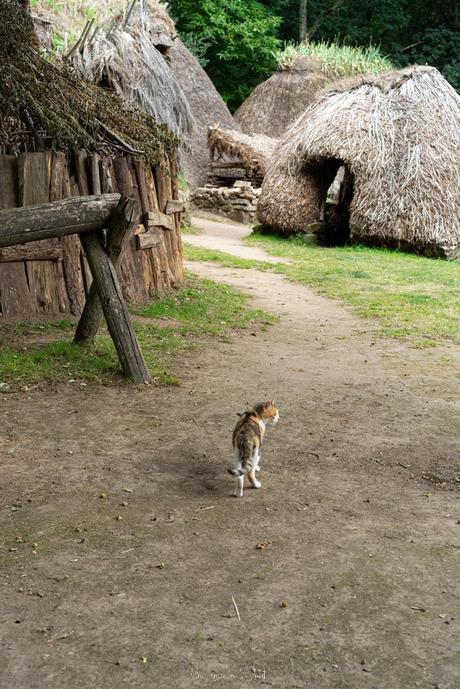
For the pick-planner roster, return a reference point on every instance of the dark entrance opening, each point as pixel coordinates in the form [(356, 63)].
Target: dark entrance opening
[(336, 182)]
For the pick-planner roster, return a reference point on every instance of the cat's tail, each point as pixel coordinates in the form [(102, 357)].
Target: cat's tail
[(245, 451), (238, 472)]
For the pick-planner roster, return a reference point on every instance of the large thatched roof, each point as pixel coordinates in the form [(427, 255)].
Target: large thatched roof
[(398, 135), (276, 103), (253, 152), (207, 107), (44, 103), (126, 58)]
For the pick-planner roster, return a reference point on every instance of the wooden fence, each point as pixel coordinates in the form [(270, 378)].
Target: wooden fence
[(52, 276)]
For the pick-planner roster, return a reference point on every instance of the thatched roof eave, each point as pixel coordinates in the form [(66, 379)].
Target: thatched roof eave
[(49, 102)]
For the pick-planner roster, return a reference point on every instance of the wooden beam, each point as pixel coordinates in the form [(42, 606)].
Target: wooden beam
[(115, 310), (158, 219), (31, 253), (147, 240), (121, 224), (174, 206), (58, 219)]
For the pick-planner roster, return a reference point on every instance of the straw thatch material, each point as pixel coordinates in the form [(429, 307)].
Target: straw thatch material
[(398, 135), (276, 103), (253, 152), (48, 102), (207, 107), (128, 62), (152, 16)]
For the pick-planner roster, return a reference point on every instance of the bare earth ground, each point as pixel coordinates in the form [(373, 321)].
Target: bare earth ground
[(357, 586)]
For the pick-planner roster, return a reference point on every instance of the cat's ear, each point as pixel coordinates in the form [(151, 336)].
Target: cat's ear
[(272, 403)]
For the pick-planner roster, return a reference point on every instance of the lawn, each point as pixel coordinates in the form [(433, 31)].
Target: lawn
[(32, 353), (412, 297)]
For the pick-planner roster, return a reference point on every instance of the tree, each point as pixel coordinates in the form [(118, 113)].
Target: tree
[(303, 19), (238, 41)]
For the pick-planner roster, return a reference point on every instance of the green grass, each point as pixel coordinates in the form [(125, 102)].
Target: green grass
[(31, 353), (190, 229), (196, 253), (412, 297), (338, 60)]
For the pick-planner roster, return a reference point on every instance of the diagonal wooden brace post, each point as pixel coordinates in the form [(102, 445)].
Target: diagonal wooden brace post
[(122, 222), (114, 308)]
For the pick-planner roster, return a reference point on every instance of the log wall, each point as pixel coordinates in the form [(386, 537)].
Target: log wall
[(52, 276)]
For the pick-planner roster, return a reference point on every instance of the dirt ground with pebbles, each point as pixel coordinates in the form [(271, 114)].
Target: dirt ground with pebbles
[(123, 551)]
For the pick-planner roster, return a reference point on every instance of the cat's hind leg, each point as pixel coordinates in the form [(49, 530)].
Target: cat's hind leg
[(251, 473)]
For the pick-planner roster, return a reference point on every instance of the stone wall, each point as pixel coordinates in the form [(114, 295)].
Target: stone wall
[(237, 203)]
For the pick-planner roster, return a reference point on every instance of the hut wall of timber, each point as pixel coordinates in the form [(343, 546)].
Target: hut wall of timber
[(51, 276), (89, 142)]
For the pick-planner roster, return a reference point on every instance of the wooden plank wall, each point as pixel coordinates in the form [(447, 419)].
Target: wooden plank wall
[(52, 276)]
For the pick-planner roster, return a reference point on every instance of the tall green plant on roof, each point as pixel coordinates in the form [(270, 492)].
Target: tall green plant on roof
[(337, 60), (50, 103)]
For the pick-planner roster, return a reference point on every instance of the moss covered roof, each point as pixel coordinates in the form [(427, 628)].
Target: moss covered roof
[(48, 102)]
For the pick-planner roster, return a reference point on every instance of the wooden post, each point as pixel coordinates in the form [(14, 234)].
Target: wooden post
[(114, 308), (121, 225)]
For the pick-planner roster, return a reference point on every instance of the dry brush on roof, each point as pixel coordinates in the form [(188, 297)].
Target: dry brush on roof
[(253, 152), (276, 103), (126, 59), (49, 102), (398, 134)]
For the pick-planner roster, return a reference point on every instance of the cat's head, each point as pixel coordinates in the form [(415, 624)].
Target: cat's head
[(267, 411)]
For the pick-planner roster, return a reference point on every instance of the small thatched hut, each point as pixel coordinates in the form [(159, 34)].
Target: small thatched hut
[(398, 137), (251, 153), (276, 103), (61, 136), (129, 59), (207, 106)]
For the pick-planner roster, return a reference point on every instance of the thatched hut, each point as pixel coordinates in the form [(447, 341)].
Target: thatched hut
[(61, 136), (128, 58), (142, 58), (398, 137), (249, 153), (276, 103)]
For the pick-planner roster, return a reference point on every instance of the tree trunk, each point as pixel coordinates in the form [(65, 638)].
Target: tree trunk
[(302, 20)]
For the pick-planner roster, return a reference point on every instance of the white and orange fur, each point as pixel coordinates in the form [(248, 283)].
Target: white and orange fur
[(247, 441)]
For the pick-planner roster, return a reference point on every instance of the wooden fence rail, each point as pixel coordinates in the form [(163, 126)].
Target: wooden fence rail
[(57, 219)]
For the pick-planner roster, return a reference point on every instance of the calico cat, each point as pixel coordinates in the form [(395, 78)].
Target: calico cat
[(247, 440)]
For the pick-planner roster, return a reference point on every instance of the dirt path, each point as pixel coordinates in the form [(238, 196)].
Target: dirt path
[(226, 236), (358, 585)]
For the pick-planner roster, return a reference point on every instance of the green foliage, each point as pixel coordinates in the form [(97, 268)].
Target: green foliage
[(237, 39), (338, 60), (408, 31)]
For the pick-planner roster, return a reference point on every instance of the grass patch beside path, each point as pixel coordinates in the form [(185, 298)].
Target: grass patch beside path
[(412, 297), (31, 353), (197, 253)]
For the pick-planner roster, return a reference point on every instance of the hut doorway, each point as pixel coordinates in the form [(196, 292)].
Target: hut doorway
[(336, 182)]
